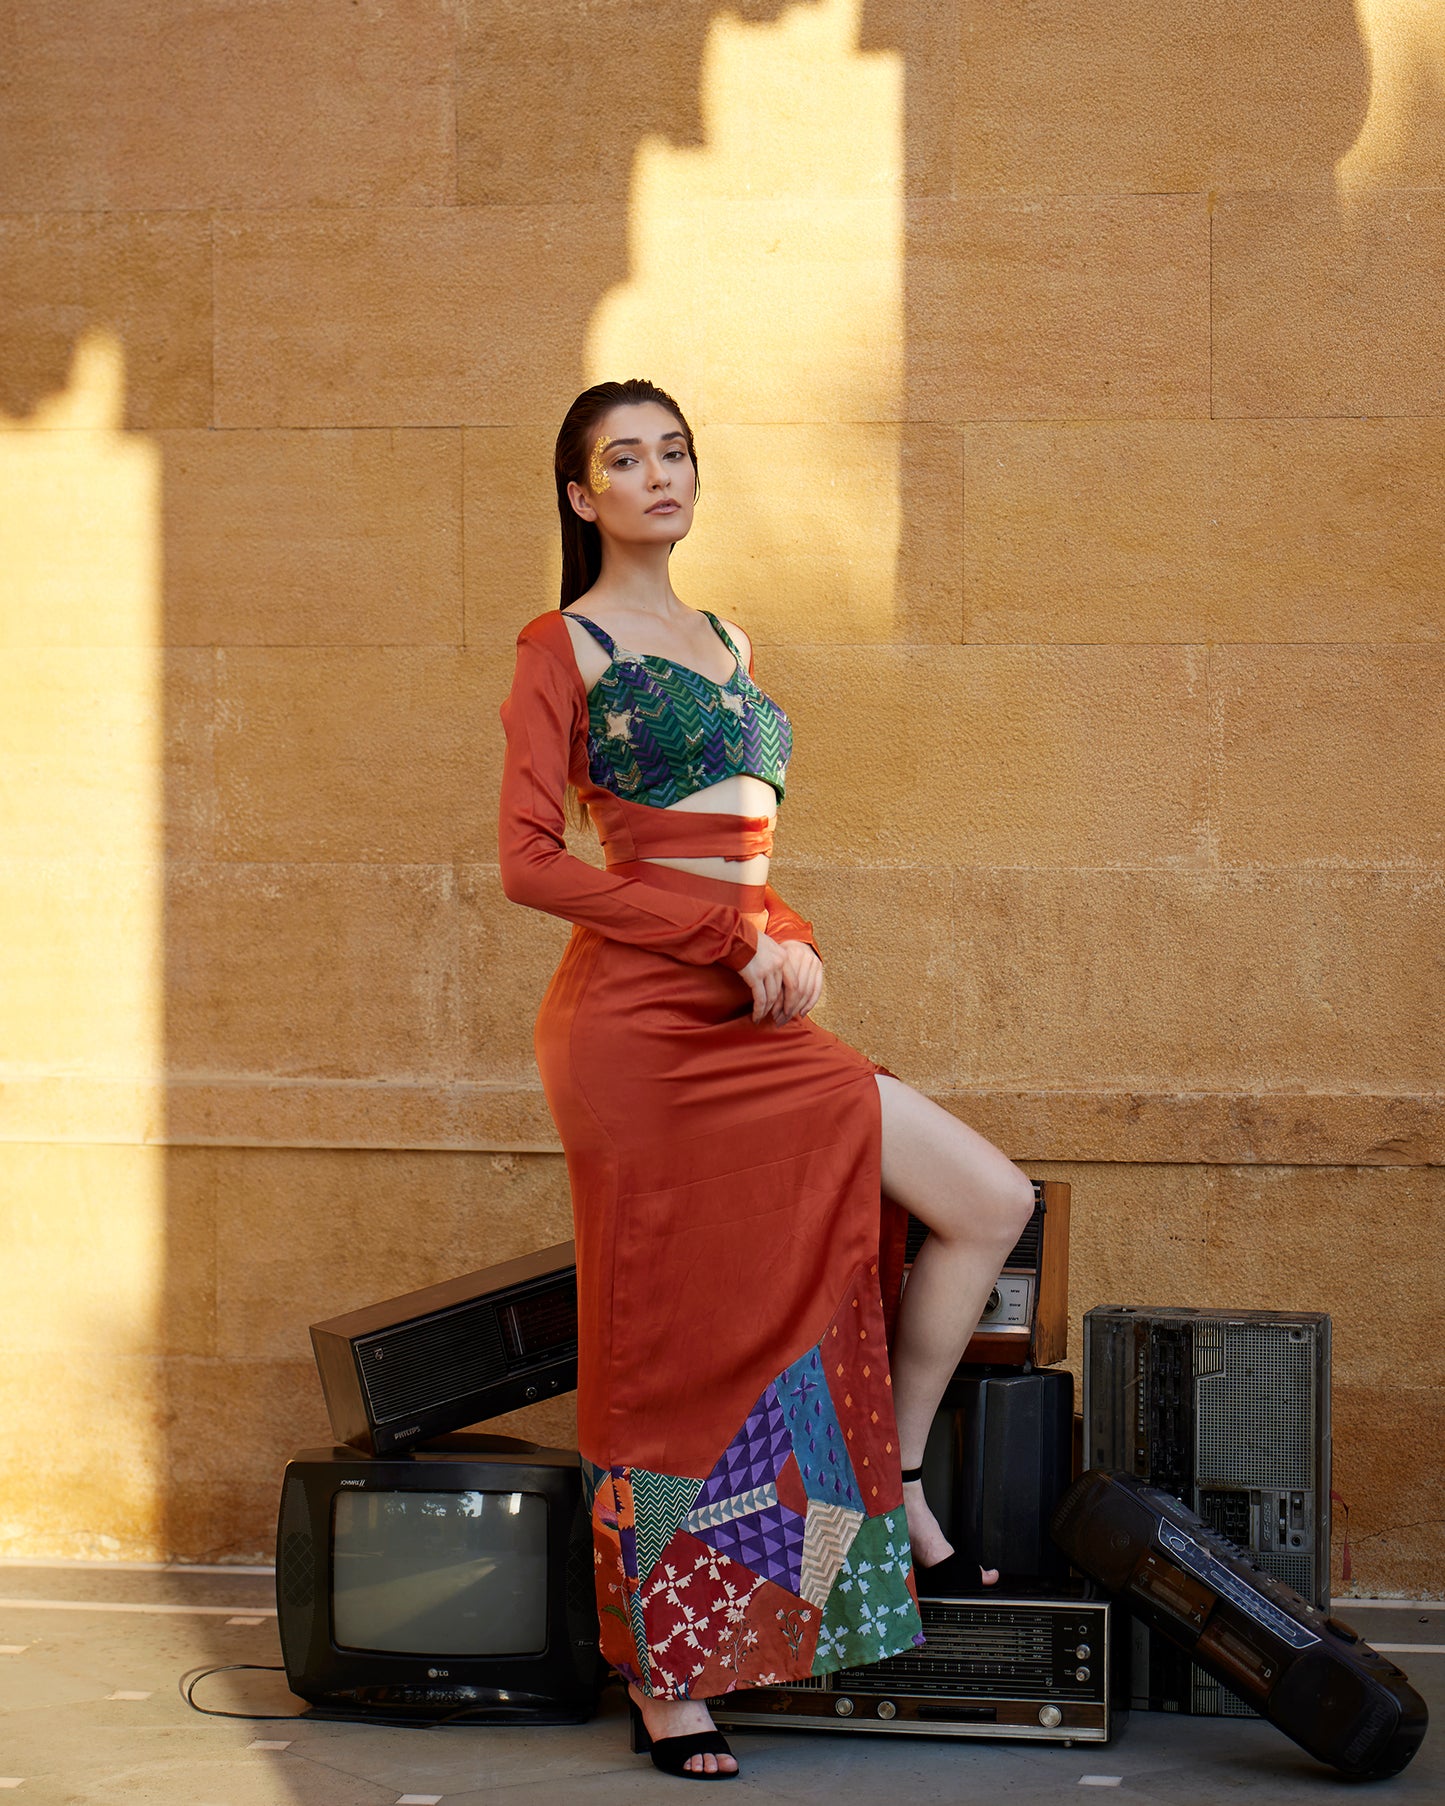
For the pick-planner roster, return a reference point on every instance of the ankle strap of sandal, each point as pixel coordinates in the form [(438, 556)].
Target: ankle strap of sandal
[(912, 1473)]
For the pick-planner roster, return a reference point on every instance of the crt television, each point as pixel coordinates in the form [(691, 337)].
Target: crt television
[(454, 1580)]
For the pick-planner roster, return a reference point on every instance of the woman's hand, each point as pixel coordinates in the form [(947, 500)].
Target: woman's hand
[(786, 978), (802, 980)]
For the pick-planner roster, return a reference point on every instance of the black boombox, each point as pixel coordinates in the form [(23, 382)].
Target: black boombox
[(1311, 1675)]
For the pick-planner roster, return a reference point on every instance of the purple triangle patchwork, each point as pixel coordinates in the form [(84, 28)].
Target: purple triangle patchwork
[(769, 1542), (754, 1455)]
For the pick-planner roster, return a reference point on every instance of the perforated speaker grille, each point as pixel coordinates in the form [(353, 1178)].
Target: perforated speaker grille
[(1256, 1417), (298, 1570), (581, 1577), (1297, 1571), (1209, 1698)]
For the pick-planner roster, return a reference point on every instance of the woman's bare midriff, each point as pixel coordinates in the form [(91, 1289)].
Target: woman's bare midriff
[(739, 795)]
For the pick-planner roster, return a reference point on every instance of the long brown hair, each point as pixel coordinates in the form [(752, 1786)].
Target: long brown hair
[(581, 541)]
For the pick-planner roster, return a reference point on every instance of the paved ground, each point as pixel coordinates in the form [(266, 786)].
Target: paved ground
[(90, 1715)]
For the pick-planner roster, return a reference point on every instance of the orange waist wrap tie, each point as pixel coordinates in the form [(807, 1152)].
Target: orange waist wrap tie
[(631, 831)]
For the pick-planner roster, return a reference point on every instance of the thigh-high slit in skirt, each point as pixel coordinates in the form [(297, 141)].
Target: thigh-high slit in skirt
[(734, 1401)]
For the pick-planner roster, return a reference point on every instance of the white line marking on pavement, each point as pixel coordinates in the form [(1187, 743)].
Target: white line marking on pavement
[(110, 1605)]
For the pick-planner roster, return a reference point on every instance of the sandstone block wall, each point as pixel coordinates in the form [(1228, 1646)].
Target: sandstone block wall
[(1072, 438)]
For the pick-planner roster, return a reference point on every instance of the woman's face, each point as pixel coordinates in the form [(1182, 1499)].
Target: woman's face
[(641, 482)]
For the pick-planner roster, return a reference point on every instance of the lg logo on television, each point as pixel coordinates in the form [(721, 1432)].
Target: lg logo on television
[(438, 1674)]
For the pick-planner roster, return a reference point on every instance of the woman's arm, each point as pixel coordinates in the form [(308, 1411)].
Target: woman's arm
[(545, 716)]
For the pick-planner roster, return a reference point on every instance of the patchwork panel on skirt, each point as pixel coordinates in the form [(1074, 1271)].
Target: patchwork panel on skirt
[(763, 1570)]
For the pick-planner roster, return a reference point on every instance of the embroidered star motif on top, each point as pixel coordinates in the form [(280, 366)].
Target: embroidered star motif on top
[(619, 726), (731, 702)]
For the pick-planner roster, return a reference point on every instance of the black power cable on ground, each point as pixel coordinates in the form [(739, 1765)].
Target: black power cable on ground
[(193, 1677)]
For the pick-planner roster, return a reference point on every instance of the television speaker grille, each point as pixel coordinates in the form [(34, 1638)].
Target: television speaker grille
[(298, 1570)]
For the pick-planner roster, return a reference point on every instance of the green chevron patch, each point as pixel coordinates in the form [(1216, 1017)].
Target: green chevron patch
[(660, 1502)]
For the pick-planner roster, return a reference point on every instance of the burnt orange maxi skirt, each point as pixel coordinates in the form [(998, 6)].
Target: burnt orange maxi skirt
[(735, 1412)]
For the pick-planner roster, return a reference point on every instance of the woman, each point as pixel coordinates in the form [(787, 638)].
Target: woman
[(746, 1448)]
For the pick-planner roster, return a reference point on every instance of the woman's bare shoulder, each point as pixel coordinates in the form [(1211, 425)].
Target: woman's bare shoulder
[(565, 642), (744, 644), (592, 659)]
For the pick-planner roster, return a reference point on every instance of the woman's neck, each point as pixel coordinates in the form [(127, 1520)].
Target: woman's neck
[(636, 578)]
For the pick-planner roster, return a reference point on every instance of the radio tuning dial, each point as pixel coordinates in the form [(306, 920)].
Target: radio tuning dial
[(843, 1707), (1050, 1717)]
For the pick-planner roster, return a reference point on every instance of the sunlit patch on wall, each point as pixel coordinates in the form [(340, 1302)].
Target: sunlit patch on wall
[(1401, 141), (766, 293), (81, 965)]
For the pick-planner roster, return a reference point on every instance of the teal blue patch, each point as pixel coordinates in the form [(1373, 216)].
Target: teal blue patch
[(819, 1446)]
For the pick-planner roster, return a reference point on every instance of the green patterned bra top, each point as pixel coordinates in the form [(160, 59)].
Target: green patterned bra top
[(658, 731)]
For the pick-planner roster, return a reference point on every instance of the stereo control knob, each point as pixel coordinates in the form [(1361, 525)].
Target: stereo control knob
[(1081, 1674), (843, 1707), (1083, 1652), (1050, 1717), (887, 1709)]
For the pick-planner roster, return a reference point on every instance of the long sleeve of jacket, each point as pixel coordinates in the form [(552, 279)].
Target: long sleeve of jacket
[(785, 924), (545, 718)]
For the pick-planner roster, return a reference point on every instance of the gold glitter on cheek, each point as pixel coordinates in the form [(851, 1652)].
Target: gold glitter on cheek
[(597, 477)]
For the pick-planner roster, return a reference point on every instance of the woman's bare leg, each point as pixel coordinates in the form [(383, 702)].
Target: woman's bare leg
[(976, 1204)]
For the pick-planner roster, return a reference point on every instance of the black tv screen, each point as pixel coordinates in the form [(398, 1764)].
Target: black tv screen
[(440, 1573), (455, 1576)]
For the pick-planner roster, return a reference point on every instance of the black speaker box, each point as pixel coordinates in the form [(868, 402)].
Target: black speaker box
[(999, 1457), (398, 1373)]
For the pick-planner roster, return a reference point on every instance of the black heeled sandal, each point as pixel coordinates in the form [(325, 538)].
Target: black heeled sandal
[(963, 1570), (669, 1753)]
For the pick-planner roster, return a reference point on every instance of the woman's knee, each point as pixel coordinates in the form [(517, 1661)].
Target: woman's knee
[(1016, 1204), (950, 1176)]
